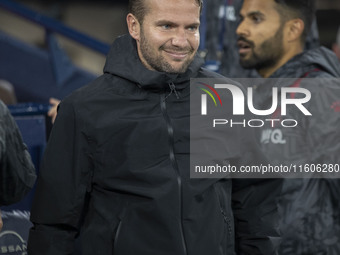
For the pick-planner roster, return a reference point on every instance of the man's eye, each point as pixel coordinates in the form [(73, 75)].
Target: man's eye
[(193, 28), (166, 27), (257, 19)]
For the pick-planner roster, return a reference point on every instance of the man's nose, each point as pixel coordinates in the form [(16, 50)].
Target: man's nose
[(242, 29), (180, 38)]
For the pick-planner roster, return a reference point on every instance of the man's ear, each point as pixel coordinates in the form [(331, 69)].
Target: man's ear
[(295, 28), (133, 26)]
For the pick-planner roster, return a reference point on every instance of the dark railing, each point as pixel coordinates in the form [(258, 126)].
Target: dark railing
[(52, 25)]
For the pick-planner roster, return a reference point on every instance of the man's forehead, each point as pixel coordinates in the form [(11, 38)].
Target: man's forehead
[(168, 6), (258, 6), (174, 10)]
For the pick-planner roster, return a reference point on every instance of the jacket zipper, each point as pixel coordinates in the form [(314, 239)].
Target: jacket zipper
[(227, 219), (115, 241), (173, 158), (172, 90)]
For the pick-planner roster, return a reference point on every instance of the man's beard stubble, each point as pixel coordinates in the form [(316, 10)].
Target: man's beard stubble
[(158, 63), (268, 53)]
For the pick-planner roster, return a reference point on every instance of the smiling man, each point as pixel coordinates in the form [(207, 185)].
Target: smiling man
[(116, 170), (166, 41), (271, 38)]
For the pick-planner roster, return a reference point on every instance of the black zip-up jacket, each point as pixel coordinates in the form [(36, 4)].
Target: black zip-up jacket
[(116, 173), (309, 208), (17, 172)]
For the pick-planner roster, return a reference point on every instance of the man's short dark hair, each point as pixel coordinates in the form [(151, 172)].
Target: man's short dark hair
[(302, 9), (139, 9)]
